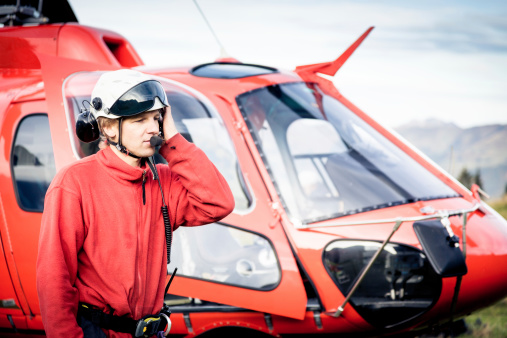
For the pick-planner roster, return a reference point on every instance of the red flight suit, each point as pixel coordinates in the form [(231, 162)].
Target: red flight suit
[(99, 244)]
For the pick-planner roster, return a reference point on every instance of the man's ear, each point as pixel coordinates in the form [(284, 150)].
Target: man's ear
[(111, 131)]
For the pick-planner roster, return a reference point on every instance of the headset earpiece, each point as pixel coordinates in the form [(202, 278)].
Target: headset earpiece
[(87, 128)]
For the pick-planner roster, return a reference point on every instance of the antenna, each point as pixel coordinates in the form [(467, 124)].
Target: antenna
[(223, 52)]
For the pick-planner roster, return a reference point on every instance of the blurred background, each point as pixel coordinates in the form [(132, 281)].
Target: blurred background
[(434, 71)]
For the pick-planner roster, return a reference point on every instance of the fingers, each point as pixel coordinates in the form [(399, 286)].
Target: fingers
[(169, 126)]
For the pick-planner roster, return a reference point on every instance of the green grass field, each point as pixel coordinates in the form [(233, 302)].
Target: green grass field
[(500, 206), (491, 321)]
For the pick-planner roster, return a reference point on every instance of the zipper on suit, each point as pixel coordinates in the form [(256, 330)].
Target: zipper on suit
[(144, 193)]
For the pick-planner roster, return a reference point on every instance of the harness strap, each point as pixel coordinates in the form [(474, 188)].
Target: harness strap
[(145, 327), (120, 146), (107, 321)]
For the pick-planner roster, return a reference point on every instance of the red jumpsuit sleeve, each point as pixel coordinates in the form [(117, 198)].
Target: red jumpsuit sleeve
[(61, 238), (199, 194)]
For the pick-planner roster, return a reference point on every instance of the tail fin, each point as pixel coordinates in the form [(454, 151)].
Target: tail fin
[(330, 68)]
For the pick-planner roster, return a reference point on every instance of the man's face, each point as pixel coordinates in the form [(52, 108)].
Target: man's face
[(137, 131)]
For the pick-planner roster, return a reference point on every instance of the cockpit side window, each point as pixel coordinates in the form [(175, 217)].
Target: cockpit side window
[(227, 255), (32, 162)]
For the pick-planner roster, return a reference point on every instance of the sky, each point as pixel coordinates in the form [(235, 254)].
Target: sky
[(431, 59)]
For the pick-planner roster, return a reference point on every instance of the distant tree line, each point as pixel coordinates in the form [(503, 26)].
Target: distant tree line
[(467, 179)]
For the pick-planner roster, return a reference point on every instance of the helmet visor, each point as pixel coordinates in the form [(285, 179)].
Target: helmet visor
[(139, 99)]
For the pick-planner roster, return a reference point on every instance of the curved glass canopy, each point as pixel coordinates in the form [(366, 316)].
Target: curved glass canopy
[(327, 162)]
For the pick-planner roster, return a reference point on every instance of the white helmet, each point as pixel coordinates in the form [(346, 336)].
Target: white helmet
[(126, 92), (119, 94)]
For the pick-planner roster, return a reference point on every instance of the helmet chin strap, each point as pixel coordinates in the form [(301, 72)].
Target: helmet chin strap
[(120, 146)]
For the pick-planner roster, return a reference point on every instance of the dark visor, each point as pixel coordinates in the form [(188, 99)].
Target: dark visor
[(139, 99)]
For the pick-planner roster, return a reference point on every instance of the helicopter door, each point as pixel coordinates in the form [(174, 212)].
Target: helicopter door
[(246, 260), (31, 167)]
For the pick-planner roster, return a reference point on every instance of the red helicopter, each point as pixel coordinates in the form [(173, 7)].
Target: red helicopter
[(340, 227)]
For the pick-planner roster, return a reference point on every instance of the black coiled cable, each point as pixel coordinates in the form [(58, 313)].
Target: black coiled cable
[(168, 231), (165, 213)]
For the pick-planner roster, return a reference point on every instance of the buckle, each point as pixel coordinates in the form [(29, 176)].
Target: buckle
[(147, 326), (169, 324)]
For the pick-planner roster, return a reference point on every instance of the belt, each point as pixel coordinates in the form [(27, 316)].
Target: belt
[(145, 327)]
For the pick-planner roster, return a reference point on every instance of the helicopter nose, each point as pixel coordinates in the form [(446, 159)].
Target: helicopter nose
[(485, 250)]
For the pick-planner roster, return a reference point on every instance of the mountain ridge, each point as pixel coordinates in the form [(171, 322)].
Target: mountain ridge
[(479, 148)]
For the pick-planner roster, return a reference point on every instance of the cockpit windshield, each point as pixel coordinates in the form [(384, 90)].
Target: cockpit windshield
[(327, 162)]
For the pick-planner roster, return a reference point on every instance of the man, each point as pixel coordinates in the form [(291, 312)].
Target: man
[(102, 257)]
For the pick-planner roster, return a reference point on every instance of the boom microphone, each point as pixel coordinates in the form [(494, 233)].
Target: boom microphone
[(155, 141)]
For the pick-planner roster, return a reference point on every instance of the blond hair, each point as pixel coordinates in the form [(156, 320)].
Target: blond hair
[(104, 122)]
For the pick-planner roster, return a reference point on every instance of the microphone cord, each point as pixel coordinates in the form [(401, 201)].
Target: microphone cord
[(165, 211)]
